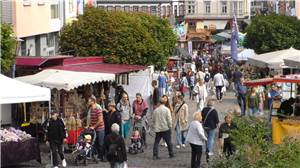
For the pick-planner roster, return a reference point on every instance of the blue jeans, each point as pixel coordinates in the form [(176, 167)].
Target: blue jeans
[(252, 110), (125, 128), (180, 135), (210, 139), (99, 143), (243, 105)]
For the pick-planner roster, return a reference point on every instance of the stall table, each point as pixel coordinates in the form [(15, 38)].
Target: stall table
[(13, 153), (284, 128)]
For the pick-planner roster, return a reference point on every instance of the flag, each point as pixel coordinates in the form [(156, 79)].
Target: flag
[(234, 39)]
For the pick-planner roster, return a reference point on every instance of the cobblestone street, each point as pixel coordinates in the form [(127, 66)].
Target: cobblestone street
[(144, 160)]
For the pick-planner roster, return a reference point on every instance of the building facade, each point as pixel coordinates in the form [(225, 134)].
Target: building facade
[(36, 23), (216, 13), (172, 9)]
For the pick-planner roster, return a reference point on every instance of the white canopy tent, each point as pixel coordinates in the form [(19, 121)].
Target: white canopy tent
[(13, 91), (274, 59), (293, 61), (245, 54), (67, 80)]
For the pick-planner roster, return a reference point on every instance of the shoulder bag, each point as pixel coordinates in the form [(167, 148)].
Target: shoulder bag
[(207, 128)]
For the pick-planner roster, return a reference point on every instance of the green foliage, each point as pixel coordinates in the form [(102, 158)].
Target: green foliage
[(255, 149), (273, 32), (8, 45), (129, 38)]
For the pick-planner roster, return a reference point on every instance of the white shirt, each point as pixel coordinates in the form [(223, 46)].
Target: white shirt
[(219, 80)]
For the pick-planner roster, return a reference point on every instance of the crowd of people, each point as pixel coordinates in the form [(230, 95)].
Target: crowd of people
[(121, 122)]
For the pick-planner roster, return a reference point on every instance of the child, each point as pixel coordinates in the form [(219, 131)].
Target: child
[(136, 142), (56, 133)]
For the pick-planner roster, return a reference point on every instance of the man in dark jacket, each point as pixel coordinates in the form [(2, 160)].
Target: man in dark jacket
[(115, 147), (55, 135), (210, 121), (111, 117)]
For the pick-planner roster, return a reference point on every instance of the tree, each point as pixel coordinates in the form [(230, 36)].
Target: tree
[(8, 45), (129, 38), (273, 32)]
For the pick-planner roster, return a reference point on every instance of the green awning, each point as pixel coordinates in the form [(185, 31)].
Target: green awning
[(218, 38)]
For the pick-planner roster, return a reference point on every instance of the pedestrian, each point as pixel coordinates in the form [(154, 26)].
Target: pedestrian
[(168, 105), (236, 75), (184, 85), (119, 92), (210, 123), (242, 92), (95, 121), (115, 148), (162, 83), (113, 116), (155, 94), (162, 125), (181, 111), (253, 102), (191, 81), (200, 75), (219, 83), (55, 135), (196, 137), (225, 137), (200, 94), (124, 108), (140, 109)]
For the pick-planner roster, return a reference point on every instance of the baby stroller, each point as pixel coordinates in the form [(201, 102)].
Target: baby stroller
[(136, 143), (84, 146)]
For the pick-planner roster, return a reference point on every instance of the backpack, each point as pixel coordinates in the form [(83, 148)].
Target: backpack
[(207, 77), (113, 150)]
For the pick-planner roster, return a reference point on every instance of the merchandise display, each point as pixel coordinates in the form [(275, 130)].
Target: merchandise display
[(13, 135)]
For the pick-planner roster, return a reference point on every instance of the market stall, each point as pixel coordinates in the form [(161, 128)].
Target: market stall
[(16, 145), (70, 91), (293, 61), (282, 126), (275, 60)]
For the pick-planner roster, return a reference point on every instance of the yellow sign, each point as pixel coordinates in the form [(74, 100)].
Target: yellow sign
[(285, 128)]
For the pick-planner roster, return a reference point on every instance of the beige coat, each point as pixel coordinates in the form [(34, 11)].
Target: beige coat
[(182, 116)]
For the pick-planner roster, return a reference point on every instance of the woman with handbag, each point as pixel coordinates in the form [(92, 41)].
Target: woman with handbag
[(181, 121)]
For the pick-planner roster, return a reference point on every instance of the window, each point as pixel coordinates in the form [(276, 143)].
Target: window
[(181, 10), (135, 8), (101, 7), (110, 8), (191, 8), (175, 10), (164, 11), (71, 6), (169, 12), (54, 11), (240, 10), (235, 7), (207, 7), (26, 2), (23, 48), (50, 40), (153, 10), (224, 7), (119, 8), (127, 8), (145, 9)]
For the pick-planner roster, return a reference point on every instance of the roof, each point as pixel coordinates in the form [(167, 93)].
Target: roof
[(274, 59), (67, 80), (14, 91), (37, 61), (101, 68)]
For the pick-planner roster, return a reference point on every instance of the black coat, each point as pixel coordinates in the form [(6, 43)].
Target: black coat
[(55, 131), (111, 118), (212, 118), (114, 138)]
